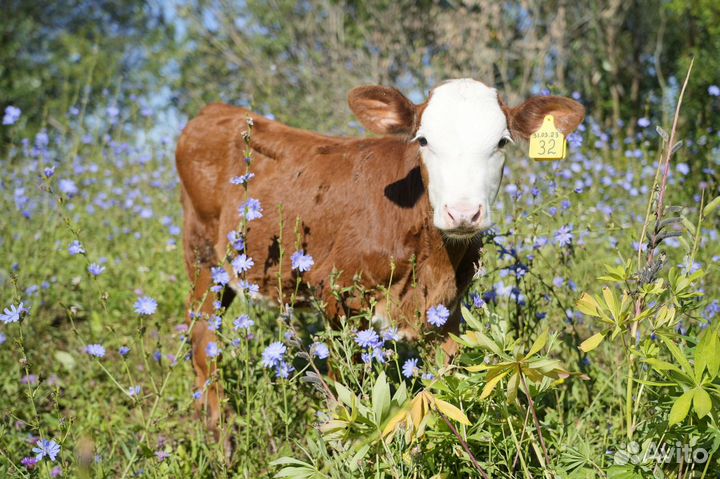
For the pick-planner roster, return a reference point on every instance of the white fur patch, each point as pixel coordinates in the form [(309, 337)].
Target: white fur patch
[(463, 124)]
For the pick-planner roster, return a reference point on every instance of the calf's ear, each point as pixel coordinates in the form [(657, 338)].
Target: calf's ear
[(383, 110), (527, 118)]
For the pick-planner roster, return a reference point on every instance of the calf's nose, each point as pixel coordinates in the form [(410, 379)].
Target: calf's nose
[(463, 214)]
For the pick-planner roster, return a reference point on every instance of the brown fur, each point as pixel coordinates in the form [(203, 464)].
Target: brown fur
[(362, 204)]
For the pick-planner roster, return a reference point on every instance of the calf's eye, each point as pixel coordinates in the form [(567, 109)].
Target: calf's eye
[(422, 141), (503, 142)]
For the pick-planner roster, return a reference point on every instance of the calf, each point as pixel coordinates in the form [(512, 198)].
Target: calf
[(417, 196)]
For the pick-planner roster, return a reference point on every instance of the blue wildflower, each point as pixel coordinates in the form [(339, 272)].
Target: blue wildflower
[(134, 391), (391, 334), (13, 314), (283, 370), (3, 338), (410, 369), (124, 351), (49, 171), (242, 263), (320, 350), (301, 261), (713, 90), (243, 322), (564, 236), (68, 187), (236, 240), (379, 355), (242, 179), (212, 350), (438, 315), (367, 338), (96, 269), (96, 350), (75, 248), (643, 122), (273, 354), (145, 306), (220, 275), (251, 210), (46, 448), (682, 168), (12, 115), (477, 300)]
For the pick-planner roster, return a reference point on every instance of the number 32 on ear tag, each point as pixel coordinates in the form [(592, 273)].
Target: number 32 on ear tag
[(548, 143)]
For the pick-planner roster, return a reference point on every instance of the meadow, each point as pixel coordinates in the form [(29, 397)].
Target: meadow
[(589, 348)]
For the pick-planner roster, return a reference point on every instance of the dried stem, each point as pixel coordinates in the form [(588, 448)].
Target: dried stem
[(531, 403), (464, 445)]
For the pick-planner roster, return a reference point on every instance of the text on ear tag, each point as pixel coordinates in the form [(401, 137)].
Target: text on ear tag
[(548, 143)]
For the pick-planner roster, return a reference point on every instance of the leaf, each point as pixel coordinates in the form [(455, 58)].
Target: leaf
[(66, 359), (400, 395), (358, 457), (345, 395), (677, 354), (665, 315), (592, 342), (490, 386), (660, 365), (470, 319), (395, 421), (611, 301), (512, 388), (713, 362), (539, 343), (419, 408), (588, 305), (680, 408), (380, 398), (451, 411), (702, 402), (478, 339), (710, 207)]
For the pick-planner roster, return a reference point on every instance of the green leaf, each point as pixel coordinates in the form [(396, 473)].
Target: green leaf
[(380, 398), (345, 395), (677, 354), (702, 402), (713, 362), (592, 342), (490, 386), (478, 339), (539, 343), (680, 408), (660, 365), (512, 387), (355, 461), (588, 305), (612, 302), (452, 412), (470, 319)]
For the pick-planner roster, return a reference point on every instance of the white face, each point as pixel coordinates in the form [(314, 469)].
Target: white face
[(463, 129)]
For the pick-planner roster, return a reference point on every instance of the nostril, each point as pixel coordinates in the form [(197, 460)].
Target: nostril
[(447, 210), (477, 215)]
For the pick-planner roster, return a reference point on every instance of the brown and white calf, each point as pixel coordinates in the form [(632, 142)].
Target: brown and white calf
[(417, 196)]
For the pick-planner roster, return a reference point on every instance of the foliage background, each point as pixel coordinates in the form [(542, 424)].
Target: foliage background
[(105, 87)]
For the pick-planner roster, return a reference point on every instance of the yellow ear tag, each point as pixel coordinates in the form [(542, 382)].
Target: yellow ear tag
[(548, 143)]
